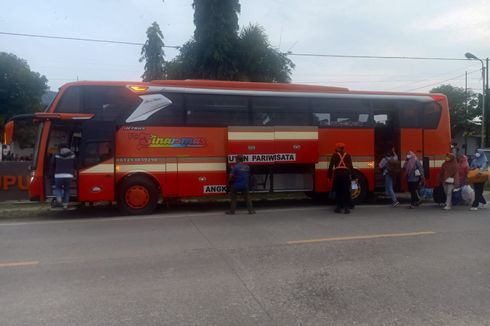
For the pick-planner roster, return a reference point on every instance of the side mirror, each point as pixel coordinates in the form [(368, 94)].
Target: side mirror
[(9, 132)]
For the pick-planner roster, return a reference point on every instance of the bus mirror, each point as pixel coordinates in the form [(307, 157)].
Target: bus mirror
[(9, 132)]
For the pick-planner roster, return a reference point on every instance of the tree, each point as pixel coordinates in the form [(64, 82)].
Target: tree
[(259, 61), (219, 51), (152, 52), (20, 92), (463, 108)]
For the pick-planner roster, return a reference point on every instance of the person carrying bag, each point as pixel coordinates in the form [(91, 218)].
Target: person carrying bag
[(414, 173), (449, 178), (478, 175)]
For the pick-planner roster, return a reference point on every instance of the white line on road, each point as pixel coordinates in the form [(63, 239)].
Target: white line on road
[(363, 237), (19, 264)]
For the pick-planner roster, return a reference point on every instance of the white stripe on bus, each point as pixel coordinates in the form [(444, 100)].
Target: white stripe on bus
[(293, 135)]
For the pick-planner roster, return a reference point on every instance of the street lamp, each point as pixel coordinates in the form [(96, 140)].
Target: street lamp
[(471, 56)]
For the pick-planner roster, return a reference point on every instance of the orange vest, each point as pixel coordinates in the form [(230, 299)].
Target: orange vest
[(342, 164)]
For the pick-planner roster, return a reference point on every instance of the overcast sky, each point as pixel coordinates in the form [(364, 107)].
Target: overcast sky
[(436, 28)]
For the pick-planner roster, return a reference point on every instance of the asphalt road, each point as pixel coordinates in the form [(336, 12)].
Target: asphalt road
[(282, 266)]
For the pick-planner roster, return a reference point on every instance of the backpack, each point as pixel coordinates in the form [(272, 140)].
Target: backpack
[(393, 167)]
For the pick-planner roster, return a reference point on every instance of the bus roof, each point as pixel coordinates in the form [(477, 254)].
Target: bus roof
[(250, 86)]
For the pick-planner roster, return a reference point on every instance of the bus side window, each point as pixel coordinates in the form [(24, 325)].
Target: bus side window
[(432, 115), (279, 111), (108, 103), (341, 113), (410, 114), (216, 110)]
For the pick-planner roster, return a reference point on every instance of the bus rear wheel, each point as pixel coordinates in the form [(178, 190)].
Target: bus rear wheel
[(359, 195), (138, 195)]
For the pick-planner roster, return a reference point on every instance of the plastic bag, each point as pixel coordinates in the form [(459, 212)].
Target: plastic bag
[(468, 194)]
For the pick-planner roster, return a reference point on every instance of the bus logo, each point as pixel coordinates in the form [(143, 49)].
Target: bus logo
[(153, 141)]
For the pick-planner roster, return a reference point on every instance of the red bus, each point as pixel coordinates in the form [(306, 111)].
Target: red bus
[(140, 143)]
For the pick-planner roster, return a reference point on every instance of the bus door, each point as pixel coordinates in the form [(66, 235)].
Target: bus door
[(387, 135), (96, 162), (411, 131)]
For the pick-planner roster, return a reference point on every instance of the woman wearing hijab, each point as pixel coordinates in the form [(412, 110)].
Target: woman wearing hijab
[(479, 162), (463, 168), (449, 178), (414, 173)]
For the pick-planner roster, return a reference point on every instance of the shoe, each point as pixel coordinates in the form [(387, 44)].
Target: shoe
[(346, 211), (480, 205), (395, 204), (473, 208), (251, 212), (446, 208), (230, 213), (411, 207), (337, 210)]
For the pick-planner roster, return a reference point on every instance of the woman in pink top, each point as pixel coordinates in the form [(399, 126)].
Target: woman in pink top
[(463, 168)]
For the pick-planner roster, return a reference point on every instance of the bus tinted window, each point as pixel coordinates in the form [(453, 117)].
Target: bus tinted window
[(172, 115), (341, 113), (274, 111), (216, 110), (410, 114), (70, 102), (432, 115), (386, 113), (108, 103)]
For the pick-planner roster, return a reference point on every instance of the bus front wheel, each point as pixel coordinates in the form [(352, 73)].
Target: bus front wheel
[(137, 195)]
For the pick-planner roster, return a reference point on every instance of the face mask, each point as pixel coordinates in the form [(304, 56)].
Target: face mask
[(477, 154), (409, 156)]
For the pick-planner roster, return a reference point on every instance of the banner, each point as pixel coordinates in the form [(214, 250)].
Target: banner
[(14, 182)]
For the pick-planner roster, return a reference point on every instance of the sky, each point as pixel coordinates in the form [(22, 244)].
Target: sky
[(436, 28)]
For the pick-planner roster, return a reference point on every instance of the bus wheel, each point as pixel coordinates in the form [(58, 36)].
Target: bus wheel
[(359, 195), (137, 195)]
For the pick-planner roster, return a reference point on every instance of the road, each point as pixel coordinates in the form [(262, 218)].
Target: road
[(283, 266)]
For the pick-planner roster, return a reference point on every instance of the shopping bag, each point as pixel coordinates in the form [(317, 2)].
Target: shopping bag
[(426, 193), (468, 194), (457, 197), (439, 195), (474, 176)]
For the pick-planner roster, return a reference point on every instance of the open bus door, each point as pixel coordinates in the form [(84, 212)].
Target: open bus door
[(47, 143)]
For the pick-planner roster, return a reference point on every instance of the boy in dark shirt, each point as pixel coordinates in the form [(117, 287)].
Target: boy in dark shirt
[(239, 182)]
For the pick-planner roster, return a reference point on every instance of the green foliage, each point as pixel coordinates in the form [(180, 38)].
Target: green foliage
[(20, 92), (153, 55), (464, 107), (259, 61), (216, 38), (219, 51)]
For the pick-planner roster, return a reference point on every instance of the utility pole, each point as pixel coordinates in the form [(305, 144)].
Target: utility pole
[(466, 112)]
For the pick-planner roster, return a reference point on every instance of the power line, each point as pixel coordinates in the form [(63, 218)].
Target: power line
[(440, 82), (321, 55), (82, 39), (372, 57)]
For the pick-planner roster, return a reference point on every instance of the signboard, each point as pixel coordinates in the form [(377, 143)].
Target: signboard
[(14, 182)]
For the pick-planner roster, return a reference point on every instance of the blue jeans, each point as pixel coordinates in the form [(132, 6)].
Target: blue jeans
[(62, 189), (389, 188)]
